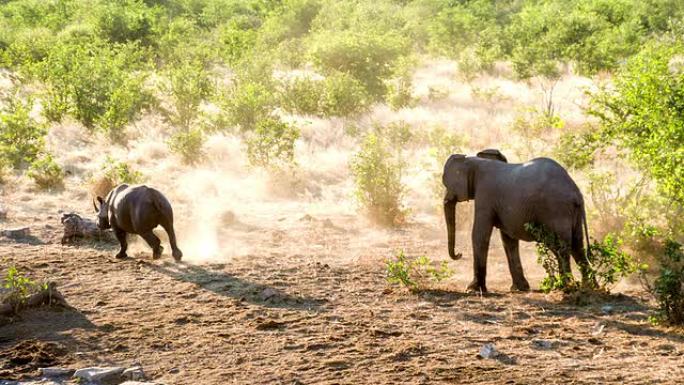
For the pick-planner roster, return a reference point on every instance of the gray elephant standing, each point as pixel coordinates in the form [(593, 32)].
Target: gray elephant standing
[(507, 196)]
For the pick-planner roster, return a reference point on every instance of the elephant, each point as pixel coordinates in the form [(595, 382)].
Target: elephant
[(507, 196)]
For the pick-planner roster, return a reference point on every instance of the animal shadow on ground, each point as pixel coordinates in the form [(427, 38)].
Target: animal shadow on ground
[(25, 239), (633, 314), (36, 338), (229, 285)]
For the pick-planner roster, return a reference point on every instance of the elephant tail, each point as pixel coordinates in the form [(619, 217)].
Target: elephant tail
[(586, 233)]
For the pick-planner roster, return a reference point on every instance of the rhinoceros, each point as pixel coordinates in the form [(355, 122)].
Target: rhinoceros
[(137, 210)]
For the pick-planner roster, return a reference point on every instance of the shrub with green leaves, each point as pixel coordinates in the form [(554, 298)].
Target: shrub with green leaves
[(46, 173), (271, 144), (642, 113), (120, 172), (668, 287), (415, 273), (607, 262), (189, 84), (100, 85), (21, 136), (302, 95), (365, 56), (188, 144), (249, 103), (377, 169), (343, 95), (19, 287)]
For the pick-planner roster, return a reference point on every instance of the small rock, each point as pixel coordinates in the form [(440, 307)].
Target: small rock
[(544, 344), (607, 309), (96, 374), (598, 329), (174, 370), (488, 351), (268, 293), (17, 233), (3, 213), (134, 373), (56, 372), (138, 383)]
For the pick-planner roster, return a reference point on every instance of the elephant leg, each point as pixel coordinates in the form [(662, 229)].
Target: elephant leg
[(121, 237), (482, 232), (154, 242), (514, 265), (588, 279)]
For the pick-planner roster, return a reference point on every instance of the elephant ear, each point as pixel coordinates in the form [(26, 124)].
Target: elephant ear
[(493, 154)]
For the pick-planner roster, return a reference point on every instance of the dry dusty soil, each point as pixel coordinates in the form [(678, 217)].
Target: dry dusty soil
[(295, 314)]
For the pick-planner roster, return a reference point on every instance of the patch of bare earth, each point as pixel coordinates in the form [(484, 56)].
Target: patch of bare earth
[(300, 318)]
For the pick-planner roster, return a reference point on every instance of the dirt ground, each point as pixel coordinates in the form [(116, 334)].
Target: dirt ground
[(295, 313)]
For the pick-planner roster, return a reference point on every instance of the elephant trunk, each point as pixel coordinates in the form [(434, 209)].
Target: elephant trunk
[(450, 217)]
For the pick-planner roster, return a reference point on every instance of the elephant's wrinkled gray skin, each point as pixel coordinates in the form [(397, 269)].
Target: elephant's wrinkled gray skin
[(137, 210), (508, 196)]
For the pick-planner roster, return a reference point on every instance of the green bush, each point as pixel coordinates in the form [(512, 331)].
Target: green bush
[(416, 273), (668, 287), (343, 96), (365, 56), (125, 21), (188, 144), (21, 137), (377, 170), (642, 114), (302, 95), (46, 173), (249, 103), (189, 84), (272, 144), (120, 172), (577, 150), (19, 287), (100, 85), (608, 263)]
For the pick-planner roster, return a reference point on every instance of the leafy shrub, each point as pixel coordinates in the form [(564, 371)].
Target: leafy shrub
[(302, 95), (21, 137), (125, 21), (249, 103), (343, 96), (189, 85), (188, 144), (19, 286), (668, 287), (642, 114), (377, 170), (120, 172), (272, 144), (415, 273), (577, 149), (46, 173), (5, 170), (100, 85), (365, 56), (608, 263)]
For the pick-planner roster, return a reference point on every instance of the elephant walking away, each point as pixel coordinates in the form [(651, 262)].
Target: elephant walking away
[(507, 196)]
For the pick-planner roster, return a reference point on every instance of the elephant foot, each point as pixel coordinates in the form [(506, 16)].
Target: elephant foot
[(522, 286), (157, 253), (177, 255), (475, 287), (121, 255)]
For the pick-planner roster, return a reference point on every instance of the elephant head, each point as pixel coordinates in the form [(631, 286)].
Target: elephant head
[(458, 178)]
